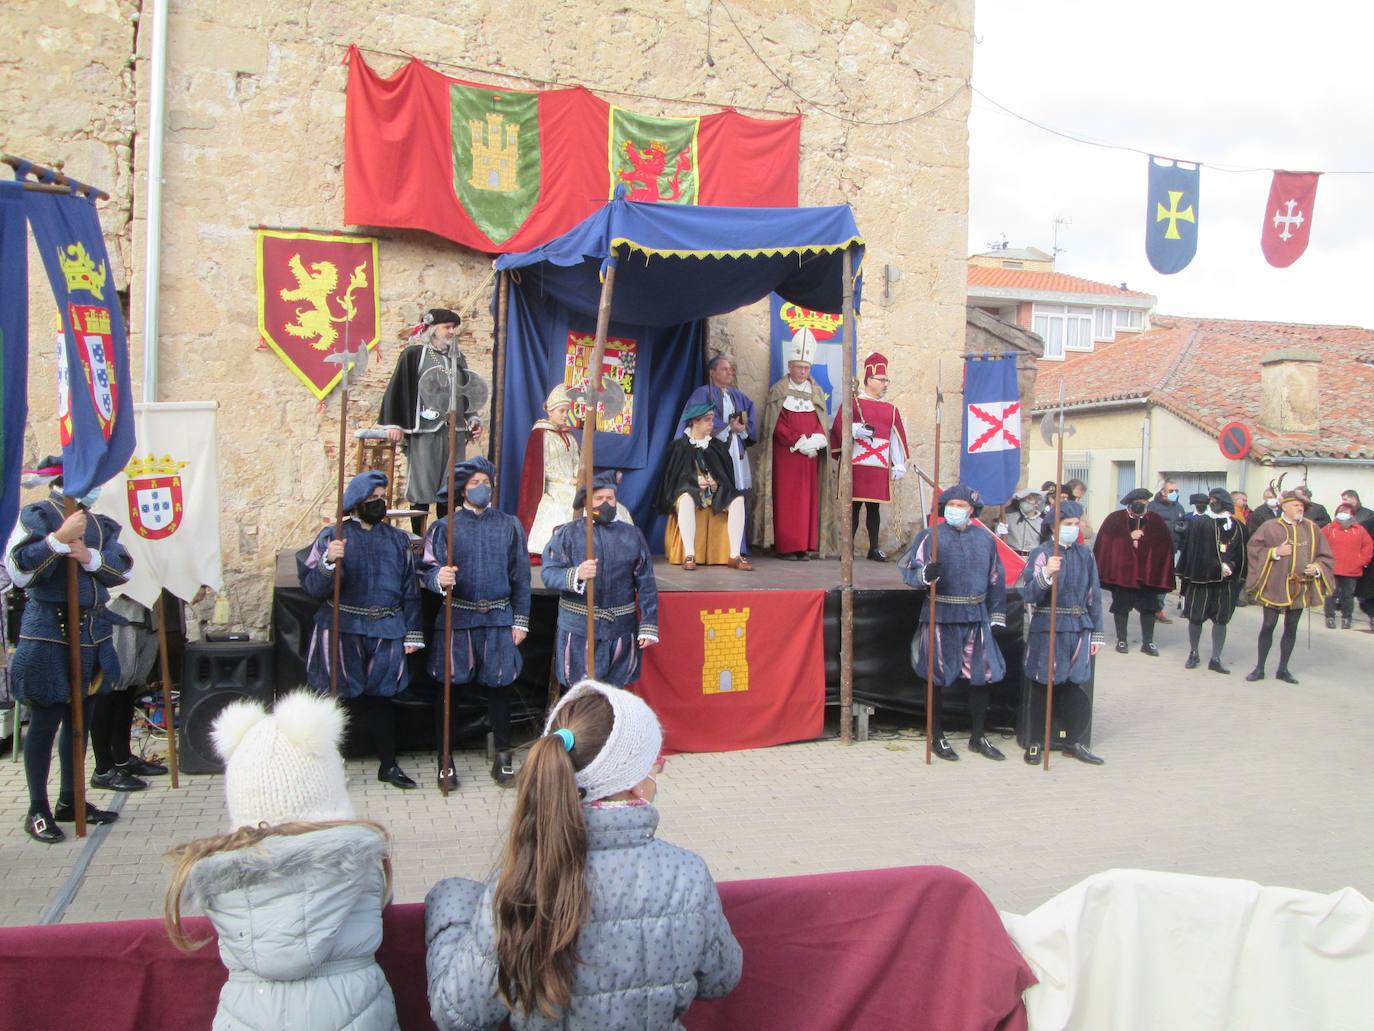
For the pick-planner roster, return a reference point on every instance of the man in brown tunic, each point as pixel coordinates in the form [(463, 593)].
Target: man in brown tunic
[(1291, 568)]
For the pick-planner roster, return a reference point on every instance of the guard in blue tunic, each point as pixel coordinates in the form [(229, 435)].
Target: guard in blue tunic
[(379, 615), (39, 672), (1078, 635), (490, 576), (970, 599), (626, 594)]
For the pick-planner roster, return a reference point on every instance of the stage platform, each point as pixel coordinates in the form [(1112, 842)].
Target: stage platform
[(885, 618)]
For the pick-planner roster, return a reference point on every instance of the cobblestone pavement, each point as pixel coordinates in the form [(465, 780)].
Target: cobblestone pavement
[(1205, 774)]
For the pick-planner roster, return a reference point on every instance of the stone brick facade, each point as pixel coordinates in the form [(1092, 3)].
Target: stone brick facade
[(255, 119)]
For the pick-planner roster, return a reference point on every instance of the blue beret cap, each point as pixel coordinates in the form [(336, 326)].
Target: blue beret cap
[(463, 471), (697, 410), (360, 488), (1070, 510), (959, 492)]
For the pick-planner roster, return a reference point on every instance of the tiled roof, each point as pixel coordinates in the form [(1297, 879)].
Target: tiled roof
[(1056, 282), (1207, 372)]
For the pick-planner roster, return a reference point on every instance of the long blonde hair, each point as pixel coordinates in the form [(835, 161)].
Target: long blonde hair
[(188, 854), (541, 902)]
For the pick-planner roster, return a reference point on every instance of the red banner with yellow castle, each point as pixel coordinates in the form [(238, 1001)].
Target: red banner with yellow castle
[(502, 170)]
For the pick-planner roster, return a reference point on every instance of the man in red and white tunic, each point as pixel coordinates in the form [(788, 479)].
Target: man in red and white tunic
[(880, 448), (794, 471)]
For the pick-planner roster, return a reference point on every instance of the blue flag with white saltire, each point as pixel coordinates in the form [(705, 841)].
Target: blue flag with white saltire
[(1171, 214), (991, 461), (14, 348), (67, 231)]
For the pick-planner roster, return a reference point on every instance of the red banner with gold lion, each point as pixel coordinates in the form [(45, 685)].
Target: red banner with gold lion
[(317, 296)]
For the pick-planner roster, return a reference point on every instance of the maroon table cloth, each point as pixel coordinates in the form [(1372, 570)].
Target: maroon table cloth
[(911, 947)]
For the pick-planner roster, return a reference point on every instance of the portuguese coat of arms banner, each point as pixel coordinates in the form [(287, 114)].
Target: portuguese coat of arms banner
[(502, 170), (317, 297), (167, 500)]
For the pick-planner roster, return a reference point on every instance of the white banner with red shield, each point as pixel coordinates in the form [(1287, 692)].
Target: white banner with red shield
[(167, 500)]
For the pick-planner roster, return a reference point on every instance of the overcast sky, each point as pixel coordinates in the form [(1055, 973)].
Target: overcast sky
[(1283, 85)]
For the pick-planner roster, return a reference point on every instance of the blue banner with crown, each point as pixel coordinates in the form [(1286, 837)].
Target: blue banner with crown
[(67, 231), (14, 348)]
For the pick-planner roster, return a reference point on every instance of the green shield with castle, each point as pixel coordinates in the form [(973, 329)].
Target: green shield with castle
[(495, 156)]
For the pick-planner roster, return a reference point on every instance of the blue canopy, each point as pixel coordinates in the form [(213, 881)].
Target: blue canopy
[(676, 265), (680, 263)]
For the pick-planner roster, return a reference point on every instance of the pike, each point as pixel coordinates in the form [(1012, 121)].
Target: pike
[(934, 557), (347, 362), (1058, 431)]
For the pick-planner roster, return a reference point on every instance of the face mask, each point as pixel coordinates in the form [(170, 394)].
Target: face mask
[(478, 495), (372, 511), (604, 513), (1030, 508), (1173, 495), (1273, 503), (1068, 535), (1216, 506), (1344, 517), (956, 516), (1138, 507), (90, 499)]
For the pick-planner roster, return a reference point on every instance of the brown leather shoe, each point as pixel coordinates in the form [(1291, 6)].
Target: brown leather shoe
[(690, 562), (740, 562)]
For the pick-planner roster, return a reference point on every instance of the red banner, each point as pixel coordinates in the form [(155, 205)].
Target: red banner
[(1288, 217), (492, 171), (737, 670)]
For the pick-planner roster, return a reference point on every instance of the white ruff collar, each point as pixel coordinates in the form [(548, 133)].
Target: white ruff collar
[(703, 443)]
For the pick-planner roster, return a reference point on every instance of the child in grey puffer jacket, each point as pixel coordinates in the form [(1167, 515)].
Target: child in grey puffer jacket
[(620, 931), (296, 892)]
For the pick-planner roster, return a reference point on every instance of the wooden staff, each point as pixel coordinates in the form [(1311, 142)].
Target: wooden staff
[(447, 758), (594, 387), (1054, 584), (498, 381), (335, 647), (934, 557), (166, 689), (847, 512), (77, 694)]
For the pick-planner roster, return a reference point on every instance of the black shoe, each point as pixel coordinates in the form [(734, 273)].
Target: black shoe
[(1345, 622), (941, 747), (1216, 667), (1193, 661), (1285, 676), (1081, 753), (116, 778), (395, 776), (503, 769), (1149, 649), (448, 779), (65, 812), (40, 827), (1122, 647), (983, 746), (1331, 622), (1032, 755), (1255, 674), (877, 555), (1160, 617), (794, 556), (142, 768)]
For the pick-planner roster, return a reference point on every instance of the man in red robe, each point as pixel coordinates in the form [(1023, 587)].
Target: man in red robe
[(794, 475), (1135, 562), (880, 448)]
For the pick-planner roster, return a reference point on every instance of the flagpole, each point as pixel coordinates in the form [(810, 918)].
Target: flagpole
[(934, 557), (1054, 584), (446, 759), (166, 670), (335, 647), (847, 514), (77, 693), (594, 388)]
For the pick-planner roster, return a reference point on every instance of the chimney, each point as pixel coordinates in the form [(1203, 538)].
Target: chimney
[(1288, 391)]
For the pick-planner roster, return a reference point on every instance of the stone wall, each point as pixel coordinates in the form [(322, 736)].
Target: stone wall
[(255, 100)]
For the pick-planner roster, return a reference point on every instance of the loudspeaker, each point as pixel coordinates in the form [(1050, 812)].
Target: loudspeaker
[(215, 674)]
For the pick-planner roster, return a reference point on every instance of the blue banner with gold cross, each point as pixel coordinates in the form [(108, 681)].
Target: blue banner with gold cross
[(14, 347), (1171, 215), (67, 231)]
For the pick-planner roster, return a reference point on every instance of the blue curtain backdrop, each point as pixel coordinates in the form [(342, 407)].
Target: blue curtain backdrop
[(14, 348), (668, 366)]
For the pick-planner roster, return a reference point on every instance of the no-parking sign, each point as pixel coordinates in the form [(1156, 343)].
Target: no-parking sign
[(1235, 440)]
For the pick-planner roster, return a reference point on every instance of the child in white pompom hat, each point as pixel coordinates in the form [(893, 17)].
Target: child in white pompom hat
[(296, 889)]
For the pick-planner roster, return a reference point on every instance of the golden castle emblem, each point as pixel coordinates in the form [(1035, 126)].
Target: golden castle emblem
[(495, 154), (725, 660), (81, 271)]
